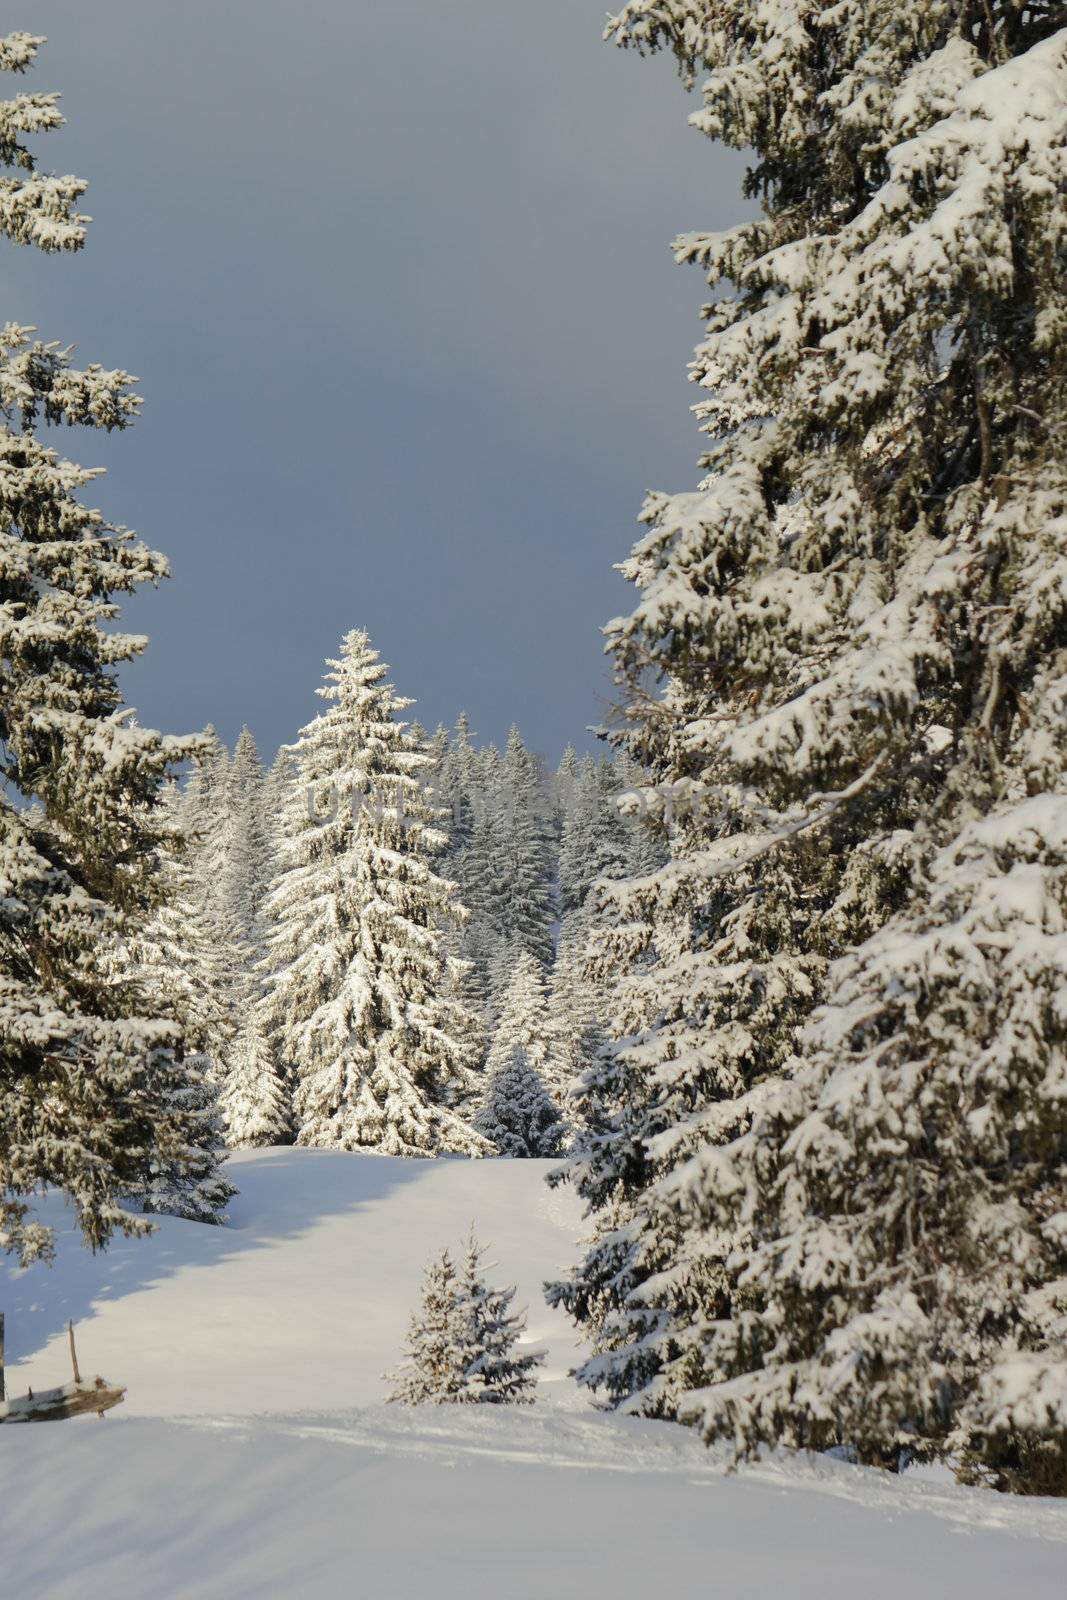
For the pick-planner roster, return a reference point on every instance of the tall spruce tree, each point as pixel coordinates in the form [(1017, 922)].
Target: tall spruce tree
[(190, 1181), (92, 1085), (564, 783), (246, 863), (204, 813), (460, 785), (523, 859), (253, 1098), (360, 976), (830, 1185), (457, 790), (176, 953)]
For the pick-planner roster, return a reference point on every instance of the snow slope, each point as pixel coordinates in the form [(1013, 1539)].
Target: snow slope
[(303, 1300), (254, 1458)]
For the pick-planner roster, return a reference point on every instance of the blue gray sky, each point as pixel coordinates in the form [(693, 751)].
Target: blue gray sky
[(395, 279)]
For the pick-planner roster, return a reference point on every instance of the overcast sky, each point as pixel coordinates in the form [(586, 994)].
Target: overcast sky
[(396, 282)]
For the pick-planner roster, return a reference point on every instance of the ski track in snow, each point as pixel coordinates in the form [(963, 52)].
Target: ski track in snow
[(562, 1440)]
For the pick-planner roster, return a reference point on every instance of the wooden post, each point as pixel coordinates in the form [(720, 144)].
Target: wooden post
[(1, 1358), (73, 1353)]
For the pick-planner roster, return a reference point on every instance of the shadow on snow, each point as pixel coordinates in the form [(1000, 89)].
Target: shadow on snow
[(39, 1300)]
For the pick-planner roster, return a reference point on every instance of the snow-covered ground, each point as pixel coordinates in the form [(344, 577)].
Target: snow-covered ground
[(254, 1456)]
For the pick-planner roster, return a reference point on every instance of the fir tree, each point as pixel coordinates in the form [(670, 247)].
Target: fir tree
[(565, 783), (595, 839), (452, 775), (246, 864), (173, 963), (645, 846), (601, 843), (481, 938), (204, 815), (361, 979), (434, 1370), (470, 942), (835, 1146), (278, 784), (461, 1343), (91, 1076), (580, 1000), (461, 787), (501, 853), (525, 1021), (471, 948), (190, 1181), (517, 1113), (523, 864), (496, 1373), (176, 953), (616, 1112), (253, 1100)]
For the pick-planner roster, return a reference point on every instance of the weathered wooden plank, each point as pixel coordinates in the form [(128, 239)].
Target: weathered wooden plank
[(70, 1400)]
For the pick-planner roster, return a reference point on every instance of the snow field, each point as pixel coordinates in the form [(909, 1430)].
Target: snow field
[(253, 1457)]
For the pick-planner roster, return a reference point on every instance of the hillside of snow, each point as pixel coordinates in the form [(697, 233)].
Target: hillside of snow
[(302, 1301), (254, 1456)]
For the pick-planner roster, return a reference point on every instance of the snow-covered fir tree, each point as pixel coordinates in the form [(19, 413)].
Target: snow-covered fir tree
[(504, 864), (360, 987), (94, 1095), (500, 815), (434, 1370), (470, 942), (646, 850), (525, 1020), (595, 841), (830, 1178), (564, 783), (278, 783), (253, 1099), (498, 1373), (203, 813), (481, 937), (523, 858), (174, 962), (461, 1346), (245, 842), (580, 999), (601, 842), (176, 951), (190, 1181), (517, 1113), (457, 786)]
